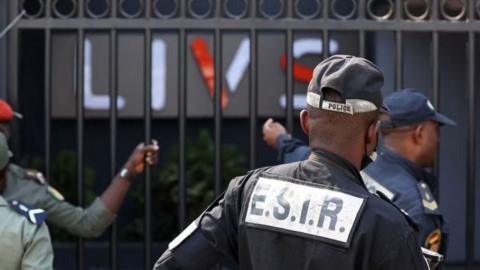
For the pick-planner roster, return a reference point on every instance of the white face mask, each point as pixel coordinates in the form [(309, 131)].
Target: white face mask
[(367, 159)]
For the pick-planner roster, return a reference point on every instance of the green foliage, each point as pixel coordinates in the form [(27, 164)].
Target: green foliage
[(63, 170), (200, 174), (199, 180)]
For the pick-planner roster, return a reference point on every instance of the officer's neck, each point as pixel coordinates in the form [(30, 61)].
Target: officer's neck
[(350, 154), (404, 152)]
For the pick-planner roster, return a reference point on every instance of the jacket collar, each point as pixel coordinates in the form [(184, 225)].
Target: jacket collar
[(337, 161)]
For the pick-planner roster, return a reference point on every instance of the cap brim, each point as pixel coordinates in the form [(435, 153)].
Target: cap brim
[(443, 120)]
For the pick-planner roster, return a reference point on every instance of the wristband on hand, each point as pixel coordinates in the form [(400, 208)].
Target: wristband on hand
[(124, 173)]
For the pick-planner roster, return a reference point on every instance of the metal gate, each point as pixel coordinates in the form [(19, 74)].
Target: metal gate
[(433, 17)]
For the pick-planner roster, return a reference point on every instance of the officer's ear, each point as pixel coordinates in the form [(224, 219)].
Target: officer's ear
[(304, 119), (372, 133), (418, 135)]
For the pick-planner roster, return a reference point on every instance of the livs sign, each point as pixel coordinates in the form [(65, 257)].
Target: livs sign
[(200, 73)]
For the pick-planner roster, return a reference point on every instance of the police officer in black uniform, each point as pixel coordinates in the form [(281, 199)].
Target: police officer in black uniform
[(410, 145), (313, 214)]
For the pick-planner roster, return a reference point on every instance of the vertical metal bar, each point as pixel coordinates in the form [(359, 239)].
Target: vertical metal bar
[(325, 9), (81, 8), (80, 118), (182, 115), (218, 102), (148, 9), (218, 10), (325, 43), (218, 111), (253, 9), (183, 9), (325, 39), (253, 97), (47, 95), (361, 43), (361, 33), (48, 8), (113, 10), (471, 145), (434, 10), (471, 10), (361, 9), (12, 47), (289, 92), (218, 108), (471, 159), (182, 119), (398, 10), (80, 130), (182, 112), (3, 49), (435, 94), (148, 115), (398, 60), (13, 38), (289, 9), (435, 68), (113, 136), (398, 48), (289, 71)]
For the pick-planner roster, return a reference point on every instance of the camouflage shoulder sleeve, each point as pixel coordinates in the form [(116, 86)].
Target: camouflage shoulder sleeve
[(84, 222)]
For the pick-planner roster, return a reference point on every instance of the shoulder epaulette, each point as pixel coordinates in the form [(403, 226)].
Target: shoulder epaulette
[(428, 201), (35, 175), (55, 193), (35, 216)]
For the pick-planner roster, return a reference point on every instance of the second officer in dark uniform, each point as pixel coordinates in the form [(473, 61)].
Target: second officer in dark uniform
[(314, 214), (410, 146)]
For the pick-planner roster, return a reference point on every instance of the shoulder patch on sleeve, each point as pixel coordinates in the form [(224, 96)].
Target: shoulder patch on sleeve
[(304, 210), (429, 203), (434, 240), (35, 216), (55, 193), (35, 175)]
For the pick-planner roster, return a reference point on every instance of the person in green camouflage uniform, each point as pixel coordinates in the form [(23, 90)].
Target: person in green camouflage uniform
[(30, 187), (24, 238)]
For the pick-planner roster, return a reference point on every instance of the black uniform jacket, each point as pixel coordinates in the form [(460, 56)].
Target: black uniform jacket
[(314, 214)]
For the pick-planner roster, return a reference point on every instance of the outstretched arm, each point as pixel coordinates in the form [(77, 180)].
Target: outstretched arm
[(114, 195), (289, 149), (95, 219)]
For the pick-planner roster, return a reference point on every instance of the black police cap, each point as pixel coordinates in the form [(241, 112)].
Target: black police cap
[(356, 79)]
